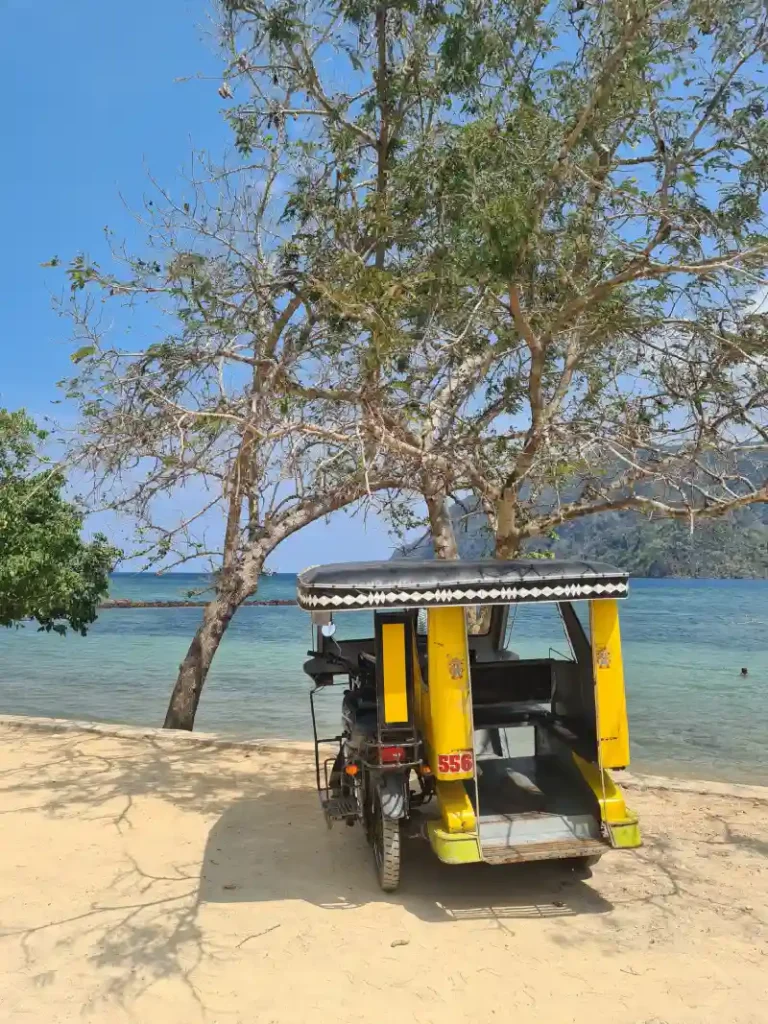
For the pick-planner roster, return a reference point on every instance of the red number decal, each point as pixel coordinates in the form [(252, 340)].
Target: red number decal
[(455, 764)]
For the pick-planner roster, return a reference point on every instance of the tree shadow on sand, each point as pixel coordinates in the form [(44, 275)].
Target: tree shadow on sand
[(267, 842), (267, 845), (277, 847), (142, 926), (100, 777)]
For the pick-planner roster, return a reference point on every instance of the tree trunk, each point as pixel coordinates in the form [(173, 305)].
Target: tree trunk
[(506, 548), (440, 524), (193, 670), (508, 540)]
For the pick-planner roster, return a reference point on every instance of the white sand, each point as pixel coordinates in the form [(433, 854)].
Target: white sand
[(158, 879)]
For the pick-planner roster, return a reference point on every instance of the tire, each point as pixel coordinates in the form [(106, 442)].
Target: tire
[(386, 849)]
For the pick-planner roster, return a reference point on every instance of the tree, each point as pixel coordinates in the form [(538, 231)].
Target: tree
[(200, 412), (47, 572), (506, 249), (609, 196), (245, 398), (357, 89), (569, 212)]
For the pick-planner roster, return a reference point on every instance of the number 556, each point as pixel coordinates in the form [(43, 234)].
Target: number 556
[(453, 764)]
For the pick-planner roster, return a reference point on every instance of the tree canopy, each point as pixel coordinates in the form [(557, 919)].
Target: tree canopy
[(538, 232), (504, 250), (47, 572), (204, 407)]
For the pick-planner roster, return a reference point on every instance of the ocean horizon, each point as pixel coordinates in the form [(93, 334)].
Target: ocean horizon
[(691, 713)]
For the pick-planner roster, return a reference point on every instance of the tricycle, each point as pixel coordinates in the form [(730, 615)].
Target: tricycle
[(448, 733)]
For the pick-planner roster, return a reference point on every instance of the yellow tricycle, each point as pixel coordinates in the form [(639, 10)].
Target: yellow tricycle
[(447, 732)]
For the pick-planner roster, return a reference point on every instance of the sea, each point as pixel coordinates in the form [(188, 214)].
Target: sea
[(691, 712)]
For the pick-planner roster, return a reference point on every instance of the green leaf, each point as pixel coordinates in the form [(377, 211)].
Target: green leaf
[(47, 571), (83, 353)]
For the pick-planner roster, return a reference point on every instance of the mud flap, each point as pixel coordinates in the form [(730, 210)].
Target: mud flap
[(391, 788)]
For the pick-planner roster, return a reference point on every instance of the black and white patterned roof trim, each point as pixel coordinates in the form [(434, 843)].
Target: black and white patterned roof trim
[(322, 598)]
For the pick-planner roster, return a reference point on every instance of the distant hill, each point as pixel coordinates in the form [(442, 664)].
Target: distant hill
[(734, 547)]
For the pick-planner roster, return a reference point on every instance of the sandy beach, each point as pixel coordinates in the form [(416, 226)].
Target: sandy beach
[(151, 878)]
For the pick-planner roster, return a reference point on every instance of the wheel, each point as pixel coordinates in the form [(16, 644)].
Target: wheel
[(386, 848)]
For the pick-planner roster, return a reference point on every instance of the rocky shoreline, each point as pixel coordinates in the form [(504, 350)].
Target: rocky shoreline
[(123, 602)]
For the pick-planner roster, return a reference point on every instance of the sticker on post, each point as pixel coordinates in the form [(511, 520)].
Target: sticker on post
[(455, 668), (459, 763), (603, 657)]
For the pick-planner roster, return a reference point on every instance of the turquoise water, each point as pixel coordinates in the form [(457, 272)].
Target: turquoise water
[(685, 641)]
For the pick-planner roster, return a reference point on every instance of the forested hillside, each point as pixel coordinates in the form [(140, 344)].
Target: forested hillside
[(732, 547)]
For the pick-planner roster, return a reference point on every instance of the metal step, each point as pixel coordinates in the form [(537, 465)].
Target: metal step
[(339, 808), (535, 827), (501, 853)]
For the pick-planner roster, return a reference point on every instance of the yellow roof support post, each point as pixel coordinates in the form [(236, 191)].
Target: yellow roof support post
[(450, 698), (612, 726), (451, 749)]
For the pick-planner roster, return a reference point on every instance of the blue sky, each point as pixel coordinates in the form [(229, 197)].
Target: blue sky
[(90, 106)]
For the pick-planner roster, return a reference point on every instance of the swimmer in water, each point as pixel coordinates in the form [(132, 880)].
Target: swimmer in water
[(744, 672)]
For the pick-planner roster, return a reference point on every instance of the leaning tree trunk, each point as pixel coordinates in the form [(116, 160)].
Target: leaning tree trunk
[(193, 670)]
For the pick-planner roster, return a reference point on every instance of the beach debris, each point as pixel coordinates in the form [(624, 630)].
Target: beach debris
[(399, 942), (258, 935), (229, 885)]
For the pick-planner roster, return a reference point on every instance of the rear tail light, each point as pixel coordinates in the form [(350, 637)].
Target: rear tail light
[(392, 755)]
